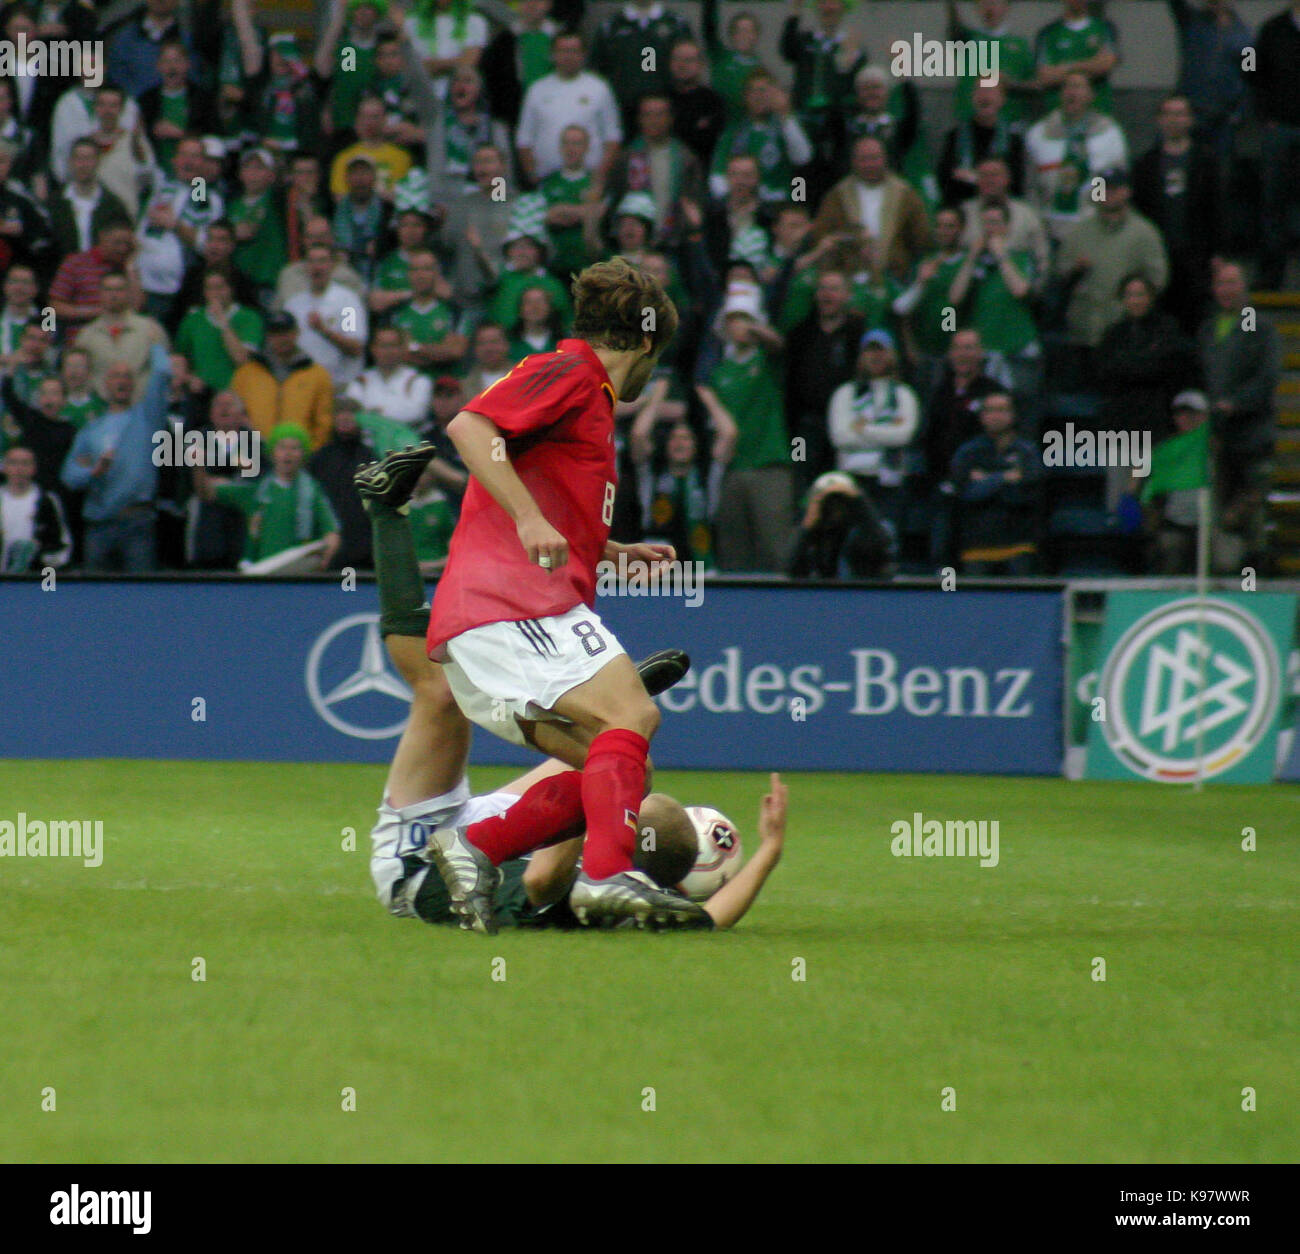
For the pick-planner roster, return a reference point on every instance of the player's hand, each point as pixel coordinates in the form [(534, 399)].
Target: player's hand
[(545, 546), (771, 816), (654, 556)]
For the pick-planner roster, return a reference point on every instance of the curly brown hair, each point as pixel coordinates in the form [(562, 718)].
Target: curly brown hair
[(617, 304)]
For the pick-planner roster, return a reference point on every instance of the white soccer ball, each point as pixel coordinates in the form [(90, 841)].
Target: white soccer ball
[(720, 855)]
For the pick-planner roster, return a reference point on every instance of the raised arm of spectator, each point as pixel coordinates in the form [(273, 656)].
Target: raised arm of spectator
[(791, 46), (324, 60), (961, 280), (250, 46), (725, 431), (153, 405), (641, 438)]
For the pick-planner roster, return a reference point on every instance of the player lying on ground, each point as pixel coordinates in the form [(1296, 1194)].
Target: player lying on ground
[(512, 616), (426, 788)]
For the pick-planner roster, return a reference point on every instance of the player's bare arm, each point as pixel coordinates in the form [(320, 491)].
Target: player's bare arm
[(480, 445), (730, 903)]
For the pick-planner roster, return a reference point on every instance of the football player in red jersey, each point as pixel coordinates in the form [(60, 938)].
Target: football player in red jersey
[(523, 651)]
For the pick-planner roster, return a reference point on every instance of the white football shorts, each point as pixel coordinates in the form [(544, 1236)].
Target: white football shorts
[(400, 836), (502, 672)]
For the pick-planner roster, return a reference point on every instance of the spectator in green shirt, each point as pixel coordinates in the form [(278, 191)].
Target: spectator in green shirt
[(221, 336), (537, 329), (1016, 69), (262, 251), (753, 524), (1077, 41), (731, 63), (285, 508)]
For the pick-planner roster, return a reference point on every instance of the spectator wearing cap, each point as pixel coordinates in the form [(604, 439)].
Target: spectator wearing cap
[(1277, 104), (1026, 233), (390, 161), (111, 461), (1240, 363), (133, 51), (997, 481), (992, 289), (659, 164), (872, 421), (490, 358), (176, 107), (332, 321), (221, 335), (120, 334), (285, 508), (391, 387), (33, 531), (988, 132), (258, 217), (742, 396), (821, 353), (526, 248), (430, 323), (770, 133), (1064, 152), (295, 277), (569, 96), (332, 467), (361, 218), (281, 384), (474, 232), (1102, 250), (83, 206), (1171, 519), (1176, 186), (875, 202), (840, 535)]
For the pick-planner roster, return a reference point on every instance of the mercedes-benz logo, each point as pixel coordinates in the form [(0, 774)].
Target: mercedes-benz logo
[(371, 676)]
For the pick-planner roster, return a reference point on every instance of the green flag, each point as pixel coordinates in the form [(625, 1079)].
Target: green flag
[(1179, 463)]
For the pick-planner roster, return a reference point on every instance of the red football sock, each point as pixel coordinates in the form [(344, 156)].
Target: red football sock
[(550, 811), (613, 784)]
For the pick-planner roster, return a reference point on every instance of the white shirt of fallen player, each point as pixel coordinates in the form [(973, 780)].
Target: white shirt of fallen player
[(342, 311), (552, 103), (404, 395)]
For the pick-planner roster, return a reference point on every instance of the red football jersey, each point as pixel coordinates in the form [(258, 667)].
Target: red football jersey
[(556, 411)]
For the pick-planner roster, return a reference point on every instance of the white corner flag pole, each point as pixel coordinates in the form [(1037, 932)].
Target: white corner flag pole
[(1202, 590)]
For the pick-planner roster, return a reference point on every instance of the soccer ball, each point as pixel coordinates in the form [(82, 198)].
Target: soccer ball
[(720, 854)]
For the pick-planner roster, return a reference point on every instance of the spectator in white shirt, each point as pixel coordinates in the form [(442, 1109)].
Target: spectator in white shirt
[(397, 391), (33, 532), (447, 33), (332, 320), (571, 96)]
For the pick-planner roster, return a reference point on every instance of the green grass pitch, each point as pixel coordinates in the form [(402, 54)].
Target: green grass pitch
[(921, 974)]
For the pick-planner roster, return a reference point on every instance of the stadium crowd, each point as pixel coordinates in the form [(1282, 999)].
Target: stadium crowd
[(334, 247)]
